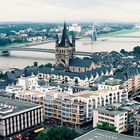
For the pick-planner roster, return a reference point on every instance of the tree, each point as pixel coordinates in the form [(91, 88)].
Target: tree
[(106, 126), (123, 51), (60, 133), (2, 75), (49, 65), (119, 70), (136, 50)]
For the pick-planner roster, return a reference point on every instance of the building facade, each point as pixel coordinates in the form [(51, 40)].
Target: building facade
[(137, 125), (65, 56), (114, 117), (17, 117), (65, 50), (75, 110)]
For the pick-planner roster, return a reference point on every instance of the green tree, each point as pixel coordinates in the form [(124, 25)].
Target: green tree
[(60, 133), (119, 70), (136, 50), (106, 126), (49, 65), (123, 51), (1, 75)]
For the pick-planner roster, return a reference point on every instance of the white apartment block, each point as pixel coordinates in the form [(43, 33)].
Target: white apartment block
[(114, 117), (14, 89), (116, 85), (28, 83), (77, 109)]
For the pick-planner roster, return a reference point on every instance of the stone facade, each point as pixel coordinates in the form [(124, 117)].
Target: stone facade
[(65, 50)]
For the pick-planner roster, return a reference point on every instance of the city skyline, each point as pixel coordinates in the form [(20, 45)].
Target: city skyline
[(70, 10)]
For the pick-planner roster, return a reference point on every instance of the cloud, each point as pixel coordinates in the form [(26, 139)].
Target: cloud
[(56, 10)]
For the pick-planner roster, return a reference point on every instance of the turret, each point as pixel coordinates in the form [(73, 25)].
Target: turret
[(73, 40), (57, 41)]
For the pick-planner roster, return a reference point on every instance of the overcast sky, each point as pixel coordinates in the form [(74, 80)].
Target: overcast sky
[(60, 10)]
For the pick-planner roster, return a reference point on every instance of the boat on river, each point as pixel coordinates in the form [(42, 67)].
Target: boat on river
[(5, 53)]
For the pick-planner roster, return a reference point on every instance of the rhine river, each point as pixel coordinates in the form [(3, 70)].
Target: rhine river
[(22, 59)]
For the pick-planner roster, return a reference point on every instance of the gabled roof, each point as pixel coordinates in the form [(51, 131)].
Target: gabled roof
[(60, 67), (77, 62)]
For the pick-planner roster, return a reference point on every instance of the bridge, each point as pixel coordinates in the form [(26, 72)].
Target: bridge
[(40, 50)]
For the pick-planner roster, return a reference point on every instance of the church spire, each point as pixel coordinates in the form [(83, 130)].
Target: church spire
[(65, 39)]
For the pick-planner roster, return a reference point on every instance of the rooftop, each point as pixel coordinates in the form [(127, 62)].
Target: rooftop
[(98, 134), (78, 62), (112, 82), (89, 93), (110, 110), (11, 106)]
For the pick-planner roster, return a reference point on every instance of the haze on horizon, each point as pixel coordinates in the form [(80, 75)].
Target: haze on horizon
[(71, 10)]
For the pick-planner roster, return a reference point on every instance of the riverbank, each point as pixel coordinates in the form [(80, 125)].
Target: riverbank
[(119, 33), (28, 44)]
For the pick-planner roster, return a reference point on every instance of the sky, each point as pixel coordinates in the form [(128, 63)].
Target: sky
[(70, 10)]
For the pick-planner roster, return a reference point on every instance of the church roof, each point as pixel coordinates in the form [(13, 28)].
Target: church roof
[(65, 42), (59, 67), (77, 62)]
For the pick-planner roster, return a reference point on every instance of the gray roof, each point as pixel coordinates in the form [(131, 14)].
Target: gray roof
[(98, 134), (60, 67), (109, 111), (65, 42), (77, 62), (18, 106)]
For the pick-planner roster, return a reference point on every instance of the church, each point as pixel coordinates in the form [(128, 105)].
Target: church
[(65, 59)]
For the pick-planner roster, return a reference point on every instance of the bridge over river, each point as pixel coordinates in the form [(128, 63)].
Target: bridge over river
[(39, 50)]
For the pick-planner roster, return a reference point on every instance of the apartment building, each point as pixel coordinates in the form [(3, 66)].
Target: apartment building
[(17, 117), (116, 85), (133, 83), (76, 109), (137, 125), (28, 83), (31, 96), (114, 117)]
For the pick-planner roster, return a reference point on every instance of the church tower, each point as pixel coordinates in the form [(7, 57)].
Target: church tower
[(65, 49)]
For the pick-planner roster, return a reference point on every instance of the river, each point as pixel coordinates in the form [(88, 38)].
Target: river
[(22, 59)]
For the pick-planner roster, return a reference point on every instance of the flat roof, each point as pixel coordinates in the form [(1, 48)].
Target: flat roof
[(11, 106), (98, 134), (89, 93), (109, 111)]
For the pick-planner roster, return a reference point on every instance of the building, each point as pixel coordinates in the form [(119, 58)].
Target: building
[(31, 96), (36, 38), (65, 50), (75, 28), (67, 110), (133, 83), (132, 107), (131, 78), (65, 56), (98, 134), (137, 125), (114, 84), (28, 83), (17, 117), (114, 117), (76, 110), (111, 83)]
